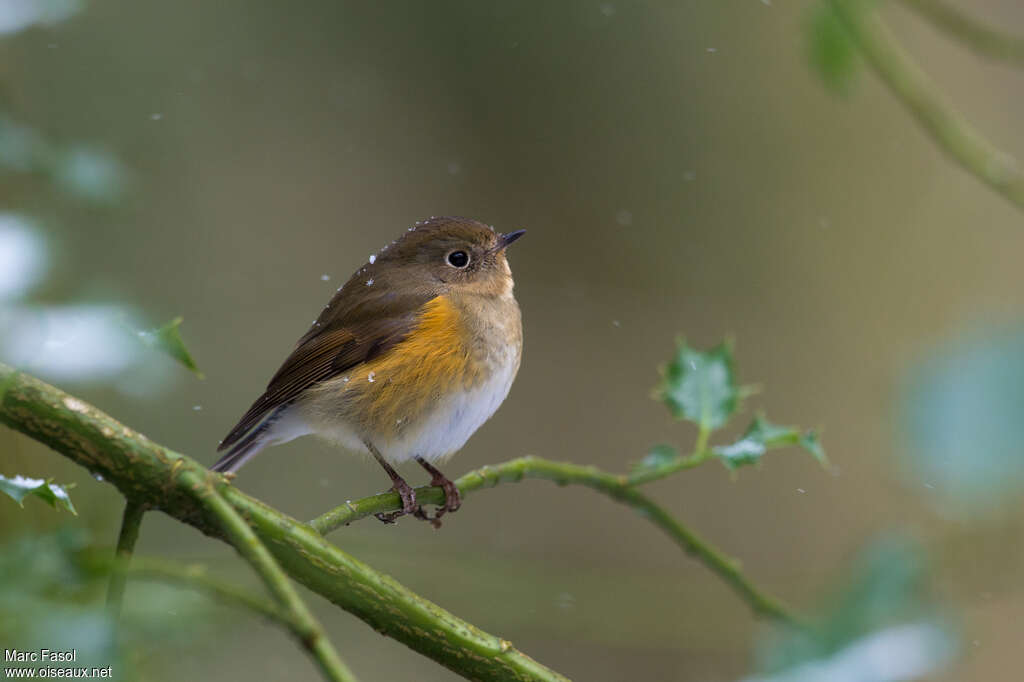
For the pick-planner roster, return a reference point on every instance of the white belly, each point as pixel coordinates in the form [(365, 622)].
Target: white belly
[(444, 431), (441, 432)]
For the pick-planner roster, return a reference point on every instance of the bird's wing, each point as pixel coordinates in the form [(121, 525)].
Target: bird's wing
[(341, 338)]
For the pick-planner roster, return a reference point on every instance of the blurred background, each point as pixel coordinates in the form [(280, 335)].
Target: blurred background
[(681, 169)]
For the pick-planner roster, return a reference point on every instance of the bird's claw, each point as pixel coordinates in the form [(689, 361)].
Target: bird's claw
[(452, 502), (409, 506)]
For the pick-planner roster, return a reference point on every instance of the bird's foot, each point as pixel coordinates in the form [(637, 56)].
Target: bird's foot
[(452, 499), (409, 506)]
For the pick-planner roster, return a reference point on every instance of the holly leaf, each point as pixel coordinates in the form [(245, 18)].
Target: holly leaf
[(746, 450), (20, 487), (167, 339), (762, 436), (811, 442), (658, 456), (882, 623), (700, 386)]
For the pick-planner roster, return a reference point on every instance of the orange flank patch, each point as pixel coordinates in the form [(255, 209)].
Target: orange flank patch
[(397, 387)]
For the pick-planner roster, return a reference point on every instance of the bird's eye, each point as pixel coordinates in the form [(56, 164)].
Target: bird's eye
[(458, 259)]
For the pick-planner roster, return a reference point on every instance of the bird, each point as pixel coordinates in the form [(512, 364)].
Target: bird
[(408, 359)]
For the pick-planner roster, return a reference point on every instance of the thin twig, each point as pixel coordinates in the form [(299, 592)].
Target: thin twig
[(618, 488), (130, 523), (976, 35), (308, 630), (915, 91), (670, 467), (196, 577)]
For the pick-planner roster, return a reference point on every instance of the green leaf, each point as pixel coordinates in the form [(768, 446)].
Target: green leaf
[(884, 605), (829, 49), (700, 386), (811, 442), (772, 435), (167, 339), (20, 487), (741, 453), (658, 456), (762, 436)]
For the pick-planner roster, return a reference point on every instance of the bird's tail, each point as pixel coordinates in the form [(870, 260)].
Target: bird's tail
[(241, 452), (246, 448)]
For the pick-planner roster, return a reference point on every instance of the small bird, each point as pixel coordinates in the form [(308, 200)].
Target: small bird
[(410, 357)]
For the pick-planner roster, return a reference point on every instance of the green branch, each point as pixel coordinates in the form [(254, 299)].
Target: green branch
[(307, 629), (144, 470), (130, 523), (979, 37), (915, 91), (619, 488)]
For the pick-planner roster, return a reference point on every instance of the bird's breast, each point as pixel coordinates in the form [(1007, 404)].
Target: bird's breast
[(427, 394)]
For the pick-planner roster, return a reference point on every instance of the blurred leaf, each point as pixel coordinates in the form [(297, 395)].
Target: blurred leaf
[(52, 594), (22, 255), (762, 436), (811, 442), (91, 174), (882, 626), (86, 172), (829, 49), (82, 342), (894, 654), (962, 415), (20, 487), (747, 450), (17, 15), (168, 340), (700, 385), (47, 600), (658, 456)]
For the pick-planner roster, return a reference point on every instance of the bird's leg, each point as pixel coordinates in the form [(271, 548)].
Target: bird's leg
[(452, 498), (399, 485)]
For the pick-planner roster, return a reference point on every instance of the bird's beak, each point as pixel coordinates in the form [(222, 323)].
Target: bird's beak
[(506, 239)]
